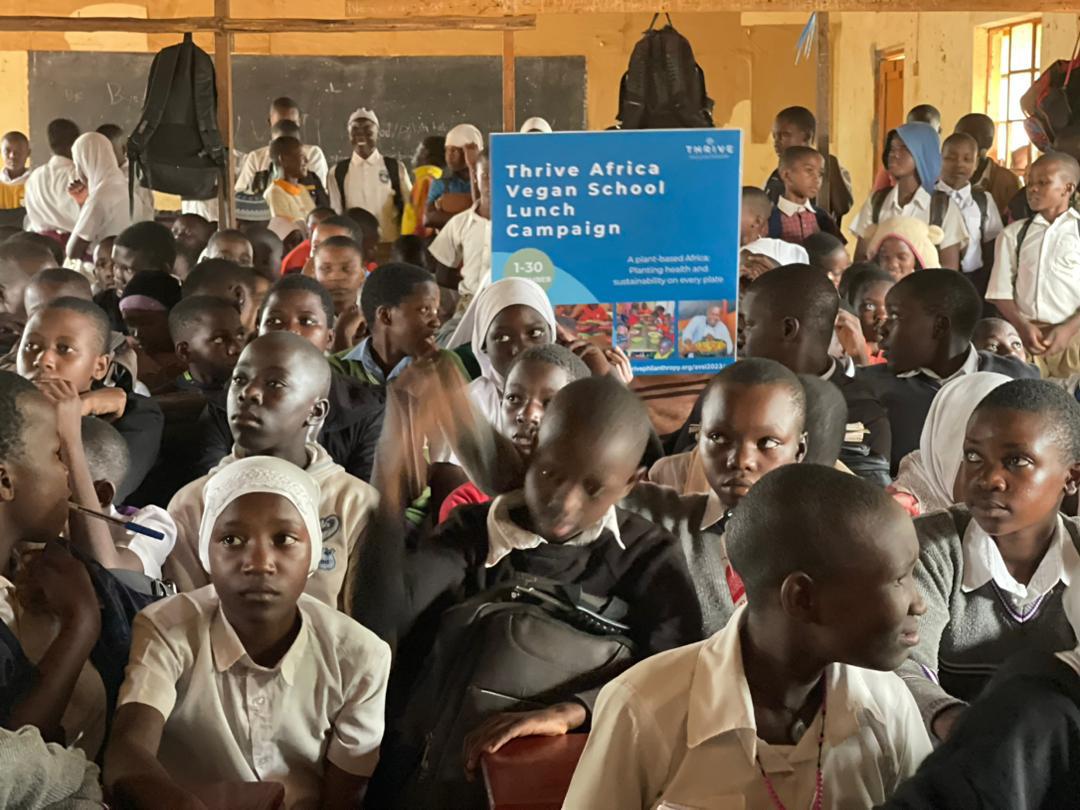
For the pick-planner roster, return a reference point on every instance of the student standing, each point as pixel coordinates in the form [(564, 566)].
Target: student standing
[(990, 176), (15, 150), (258, 160), (429, 162), (369, 179), (452, 193), (49, 208), (796, 217)]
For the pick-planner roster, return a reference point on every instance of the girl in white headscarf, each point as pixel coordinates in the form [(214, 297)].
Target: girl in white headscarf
[(105, 209), (929, 473), (505, 318)]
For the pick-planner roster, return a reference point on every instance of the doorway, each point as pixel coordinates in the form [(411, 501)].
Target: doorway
[(890, 100)]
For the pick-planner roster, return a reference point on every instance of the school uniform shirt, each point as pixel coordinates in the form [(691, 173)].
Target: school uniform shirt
[(907, 397), (368, 186), (919, 207), (49, 207), (258, 160), (229, 719), (346, 506), (1044, 281), (465, 242), (677, 731), (364, 354), (289, 201), (151, 551), (778, 250), (972, 258), (977, 616)]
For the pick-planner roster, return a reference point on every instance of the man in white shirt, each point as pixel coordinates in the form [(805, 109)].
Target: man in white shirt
[(370, 180), (777, 709), (49, 207), (282, 109)]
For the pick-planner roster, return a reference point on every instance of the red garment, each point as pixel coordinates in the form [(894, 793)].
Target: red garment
[(796, 228), (883, 180), (297, 258), (465, 494), (735, 584)]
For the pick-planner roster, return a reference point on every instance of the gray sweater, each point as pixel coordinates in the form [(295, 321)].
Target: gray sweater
[(964, 637)]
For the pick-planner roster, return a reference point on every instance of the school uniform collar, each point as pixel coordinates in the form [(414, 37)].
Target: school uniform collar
[(720, 703), (366, 355), (789, 208), (1070, 213), (971, 365), (961, 196), (504, 535), (7, 178), (228, 651), (920, 200), (374, 159), (983, 563), (61, 162)]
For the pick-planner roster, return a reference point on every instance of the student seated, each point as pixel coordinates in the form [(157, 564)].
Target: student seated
[(19, 262), (49, 208), (208, 336), (754, 229), (993, 570), (370, 235), (959, 157), (221, 278), (287, 196), (827, 254), (789, 315), (990, 176), (370, 180), (68, 339), (563, 525), (805, 667), (866, 293), (796, 217), (912, 157), (1032, 284), (267, 250), (144, 305), (250, 678), (15, 150), (107, 459), (297, 259), (232, 245), (452, 193), (532, 380), (927, 341), (929, 473), (143, 246), (339, 267), (192, 233), (998, 336), (902, 245), (52, 283), (277, 395)]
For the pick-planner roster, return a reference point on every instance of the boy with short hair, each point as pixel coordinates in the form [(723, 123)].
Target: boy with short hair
[(277, 396), (339, 267), (959, 156), (754, 240), (224, 279), (19, 262), (267, 250), (997, 336), (1033, 281), (143, 246), (230, 244), (68, 339), (927, 342), (52, 283), (49, 207), (15, 150), (192, 232), (208, 336), (286, 195), (282, 108), (805, 666), (144, 305), (796, 217), (990, 176)]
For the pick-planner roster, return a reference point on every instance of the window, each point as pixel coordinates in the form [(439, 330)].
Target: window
[(1013, 66)]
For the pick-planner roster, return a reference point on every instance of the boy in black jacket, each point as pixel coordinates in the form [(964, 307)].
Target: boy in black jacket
[(927, 341)]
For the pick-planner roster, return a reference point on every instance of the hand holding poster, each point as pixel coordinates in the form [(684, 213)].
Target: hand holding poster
[(634, 235)]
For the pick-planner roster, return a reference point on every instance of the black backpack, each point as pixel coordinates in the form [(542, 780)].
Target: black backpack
[(176, 147), (663, 87)]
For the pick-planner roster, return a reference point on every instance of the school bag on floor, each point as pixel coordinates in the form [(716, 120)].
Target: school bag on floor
[(176, 147), (663, 87)]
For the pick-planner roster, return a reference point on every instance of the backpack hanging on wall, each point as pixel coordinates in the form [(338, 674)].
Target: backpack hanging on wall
[(1052, 103), (663, 87), (176, 147)]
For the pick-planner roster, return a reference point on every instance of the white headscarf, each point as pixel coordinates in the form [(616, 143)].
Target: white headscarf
[(95, 160), (536, 124), (464, 134), (261, 474), (930, 473)]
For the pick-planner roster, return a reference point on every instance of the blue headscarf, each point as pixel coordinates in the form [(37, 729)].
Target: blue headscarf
[(923, 142)]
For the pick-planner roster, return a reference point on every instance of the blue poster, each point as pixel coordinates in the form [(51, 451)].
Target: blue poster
[(634, 235)]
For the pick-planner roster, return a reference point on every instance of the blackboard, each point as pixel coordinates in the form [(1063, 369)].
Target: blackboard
[(414, 96)]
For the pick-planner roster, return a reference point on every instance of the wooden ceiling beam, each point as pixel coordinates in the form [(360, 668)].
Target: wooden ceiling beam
[(361, 8), (283, 25)]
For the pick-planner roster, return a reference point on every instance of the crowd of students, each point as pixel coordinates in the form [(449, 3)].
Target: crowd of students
[(292, 502)]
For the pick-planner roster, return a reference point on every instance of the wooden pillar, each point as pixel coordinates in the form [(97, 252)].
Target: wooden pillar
[(824, 100), (509, 80), (223, 43)]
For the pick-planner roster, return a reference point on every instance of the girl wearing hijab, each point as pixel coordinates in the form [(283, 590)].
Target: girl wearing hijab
[(504, 319), (250, 679), (913, 158), (102, 195), (929, 473)]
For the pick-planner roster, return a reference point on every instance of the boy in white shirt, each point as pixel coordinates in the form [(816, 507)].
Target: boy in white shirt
[(258, 160), (776, 709), (49, 207), (959, 159), (1036, 266)]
